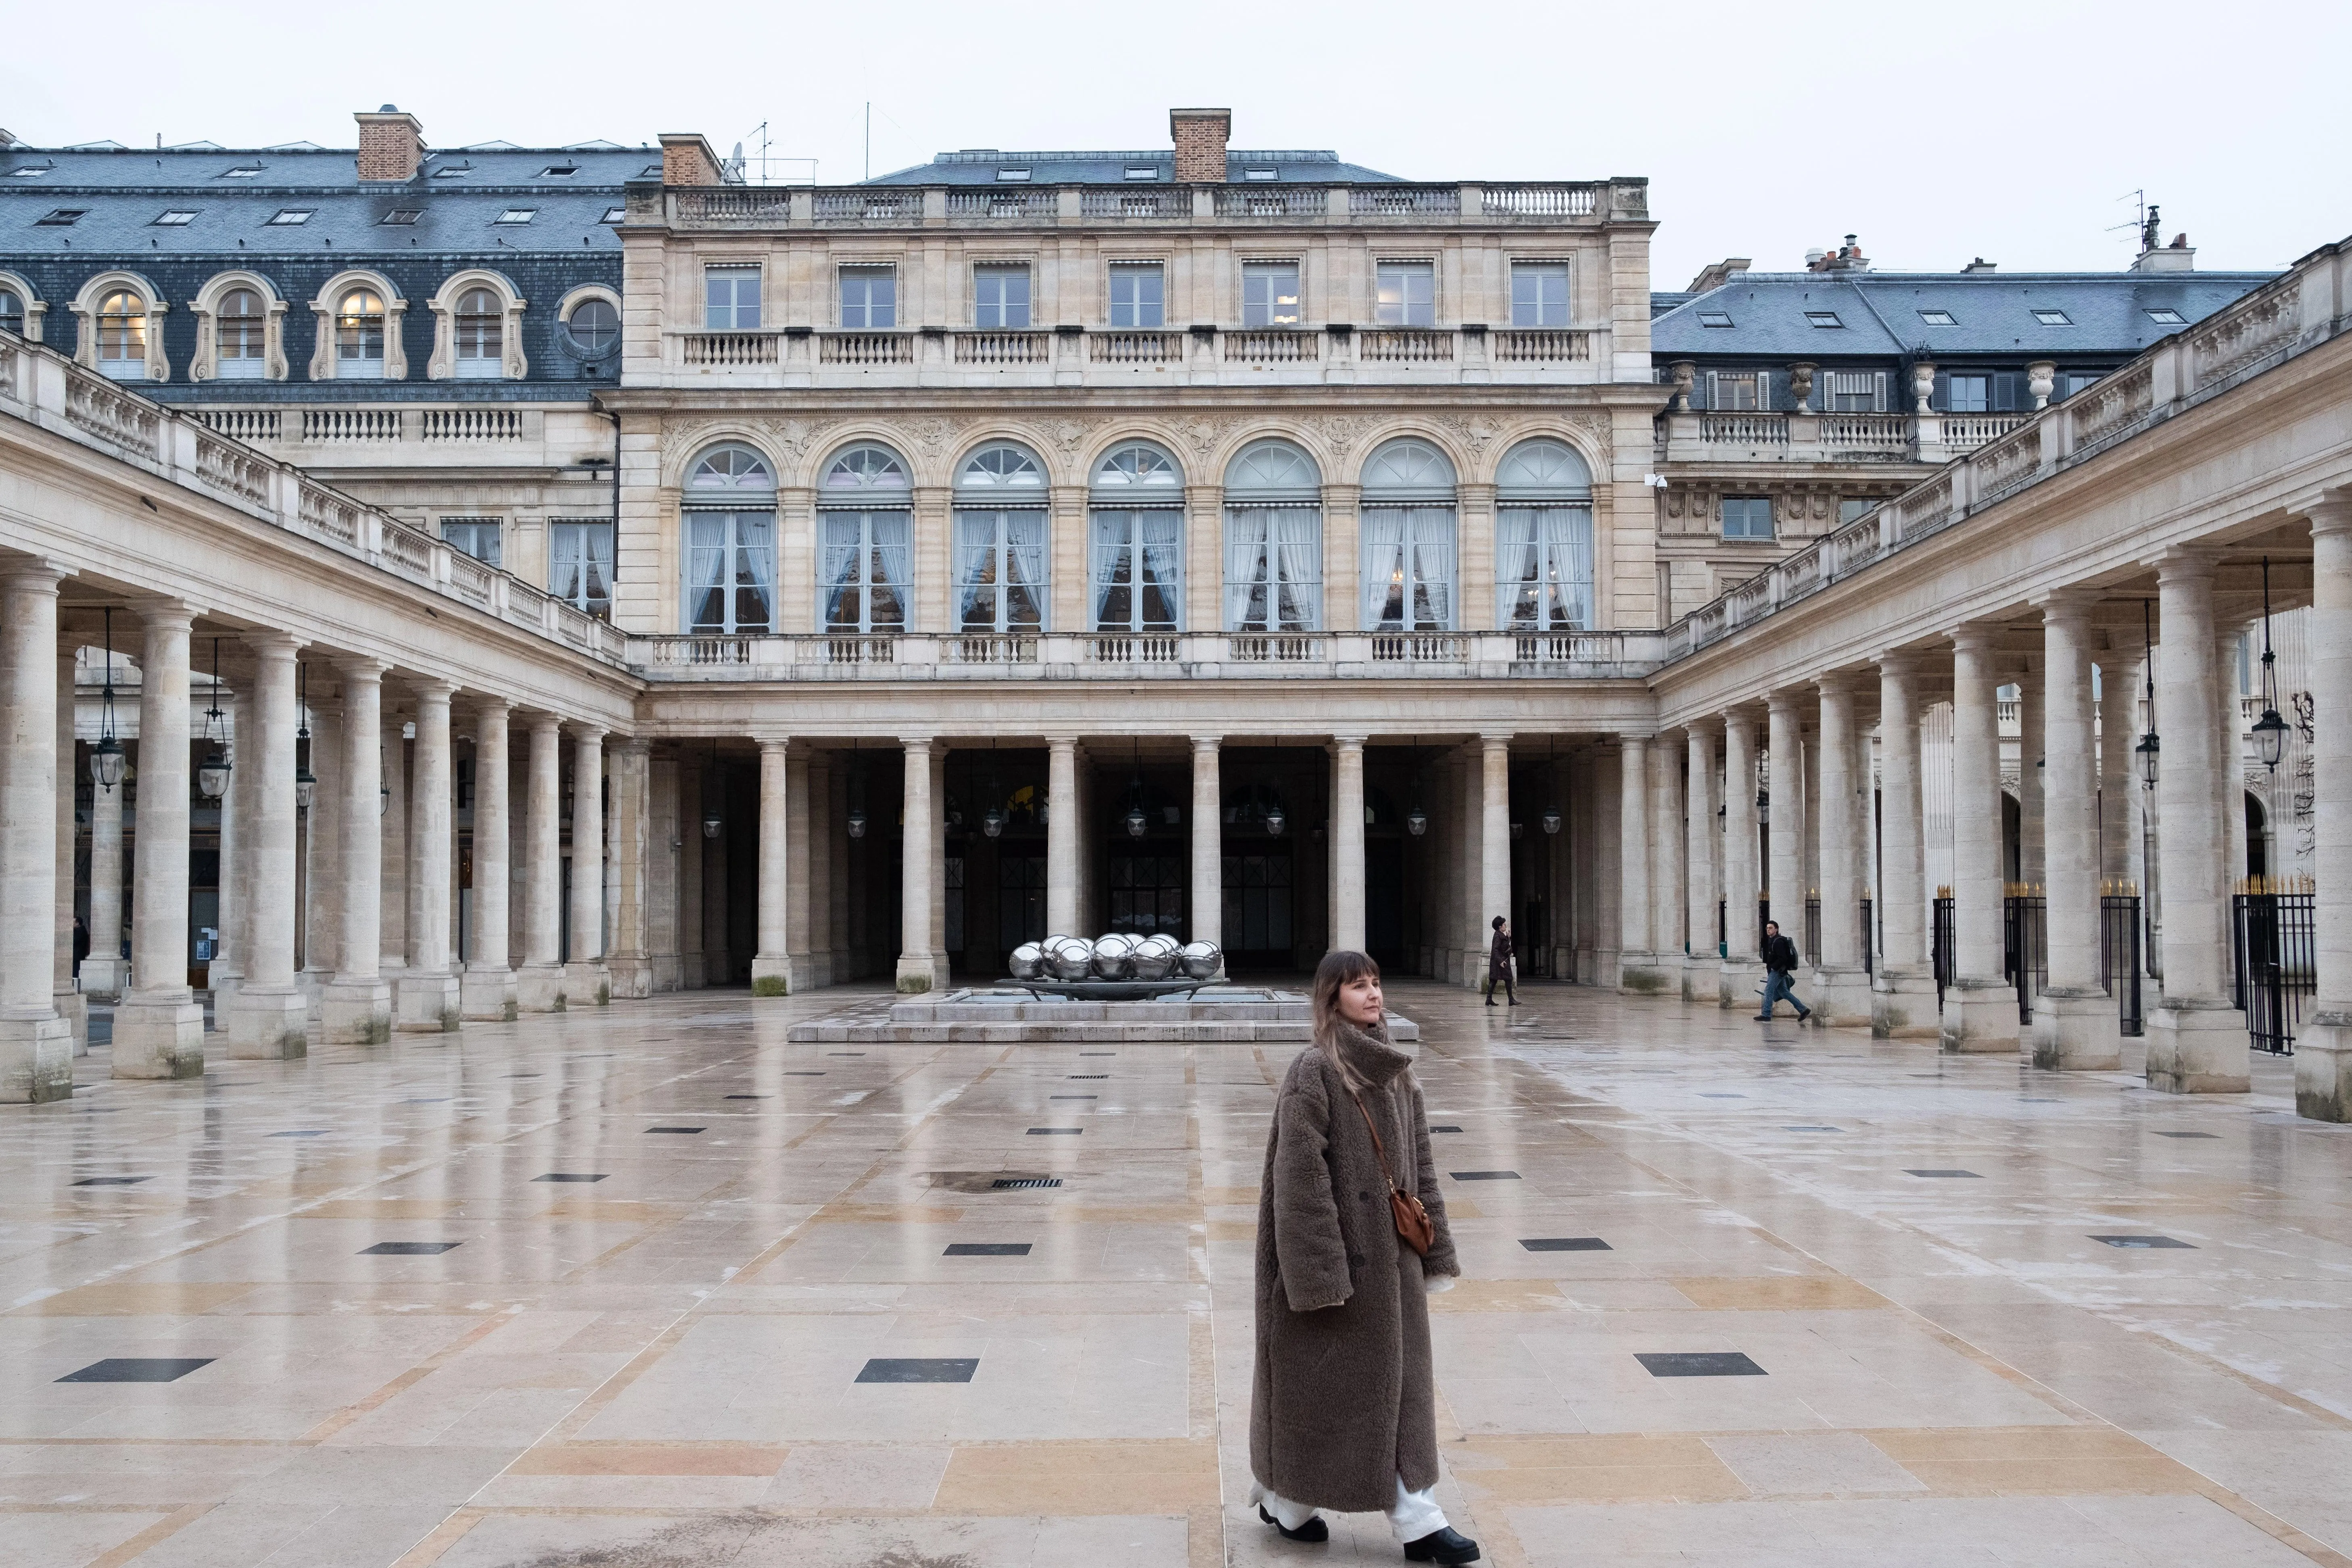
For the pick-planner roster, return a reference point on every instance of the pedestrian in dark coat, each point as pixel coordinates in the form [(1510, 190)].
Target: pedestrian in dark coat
[(1781, 974), (1343, 1411), (1498, 962)]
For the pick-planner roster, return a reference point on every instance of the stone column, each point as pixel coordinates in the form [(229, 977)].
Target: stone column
[(2196, 1041), (1062, 837), (1903, 997), (1979, 1003), (848, 943), (1495, 836), (266, 1016), (391, 819), (35, 1043), (65, 988), (2322, 1047), (1607, 774), (2032, 726), (426, 993), (357, 1007), (159, 1029), (1784, 767), (1670, 931), (1347, 841), (940, 865), (322, 852), (718, 940), (631, 965), (1736, 982), (487, 991), (2118, 785), (919, 886), (2075, 1019), (772, 963), (1637, 971), (102, 972), (585, 976), (799, 965), (1469, 826), (1840, 983), (1703, 968), (539, 984), (1208, 892), (817, 868), (693, 778), (226, 971)]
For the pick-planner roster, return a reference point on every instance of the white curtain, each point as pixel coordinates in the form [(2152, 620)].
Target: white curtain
[(596, 594), (1543, 568), (1138, 580), (1408, 568), (755, 572), (864, 569), (706, 576), (1000, 570), (1274, 569)]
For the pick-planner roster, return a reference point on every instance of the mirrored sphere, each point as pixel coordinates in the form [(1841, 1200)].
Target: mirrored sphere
[(1026, 961), (1198, 960)]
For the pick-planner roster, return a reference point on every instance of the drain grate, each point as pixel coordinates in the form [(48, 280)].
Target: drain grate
[(1009, 1184)]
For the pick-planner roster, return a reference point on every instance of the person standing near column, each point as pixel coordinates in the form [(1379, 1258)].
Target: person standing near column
[(1780, 974), (1498, 962), (159, 1029)]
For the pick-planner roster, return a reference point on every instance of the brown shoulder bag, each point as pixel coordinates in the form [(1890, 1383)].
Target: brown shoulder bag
[(1414, 1226)]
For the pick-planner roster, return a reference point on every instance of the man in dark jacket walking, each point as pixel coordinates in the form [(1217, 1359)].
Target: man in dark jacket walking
[(1781, 974), (1498, 962)]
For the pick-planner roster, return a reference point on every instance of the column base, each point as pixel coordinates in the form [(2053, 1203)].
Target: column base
[(666, 972), (1647, 974), (1842, 998), (356, 1012), (488, 995), (2323, 1067), (37, 1059), (918, 972), (159, 1035), (2197, 1045), (588, 982), (74, 1008), (772, 976), (631, 977), (102, 978), (268, 1023), (1737, 981), (1980, 1017), (2076, 1029), (538, 988), (425, 1002), (1701, 977), (1903, 1005), (223, 989)]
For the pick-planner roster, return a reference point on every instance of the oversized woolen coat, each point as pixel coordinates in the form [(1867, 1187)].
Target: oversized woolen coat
[(1344, 1402)]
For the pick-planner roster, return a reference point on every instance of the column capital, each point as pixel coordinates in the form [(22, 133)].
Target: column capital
[(35, 568), (634, 745), (774, 745), (483, 705), (1975, 636), (588, 734), (544, 724), (283, 644), (1834, 683), (360, 667), (1903, 661), (1780, 699), (2185, 563), (914, 743), (430, 690), (1356, 743), (1204, 742), (176, 612), (2328, 511), (1495, 739)]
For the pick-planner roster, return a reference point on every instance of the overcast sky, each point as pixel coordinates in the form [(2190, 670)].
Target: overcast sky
[(2015, 132)]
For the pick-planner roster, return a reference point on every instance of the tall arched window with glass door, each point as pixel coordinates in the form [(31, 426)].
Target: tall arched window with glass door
[(1543, 539), (1136, 524), (481, 335), (730, 514), (1000, 540), (1408, 538), (865, 527), (1274, 539), (241, 336), (122, 335), (359, 336)]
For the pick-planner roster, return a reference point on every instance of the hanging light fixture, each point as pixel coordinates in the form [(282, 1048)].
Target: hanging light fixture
[(991, 821), (856, 822), (1416, 821), (306, 783), (212, 773), (713, 824), (1135, 820), (2148, 749), (1551, 818), (1274, 820), (2269, 729), (106, 757), (1518, 829), (383, 784)]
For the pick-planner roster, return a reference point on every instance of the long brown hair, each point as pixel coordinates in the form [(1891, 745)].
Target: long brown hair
[(1339, 969)]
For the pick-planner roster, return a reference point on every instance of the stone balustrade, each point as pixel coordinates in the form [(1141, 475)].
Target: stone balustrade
[(772, 207)]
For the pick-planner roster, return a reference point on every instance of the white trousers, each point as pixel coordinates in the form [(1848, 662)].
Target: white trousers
[(1411, 1516)]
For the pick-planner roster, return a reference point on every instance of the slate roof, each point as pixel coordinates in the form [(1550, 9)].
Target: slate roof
[(979, 166), (1993, 313)]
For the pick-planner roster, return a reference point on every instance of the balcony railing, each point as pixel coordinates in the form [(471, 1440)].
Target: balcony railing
[(1003, 204), (1557, 347), (1272, 201), (731, 348), (351, 423), (1539, 201), (866, 348), (1867, 432), (1270, 347), (1157, 203), (1967, 432), (463, 423), (1744, 429), (242, 424), (1405, 201), (1004, 348), (1410, 346), (1116, 347)]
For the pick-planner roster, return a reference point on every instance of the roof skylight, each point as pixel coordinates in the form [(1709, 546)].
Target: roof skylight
[(517, 215), (2054, 318), (1714, 318), (290, 216), (1824, 318), (2168, 316), (61, 218), (178, 217), (1938, 318)]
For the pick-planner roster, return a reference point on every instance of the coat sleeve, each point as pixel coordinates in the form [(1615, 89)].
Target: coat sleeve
[(1440, 1258), (1307, 1246)]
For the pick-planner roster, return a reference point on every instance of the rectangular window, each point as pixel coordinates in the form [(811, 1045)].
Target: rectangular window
[(1001, 569), (1850, 509), (176, 218), (2071, 382), (1137, 294), (1407, 566), (1000, 298), (399, 217), (731, 572), (1937, 318), (1968, 395), (1852, 392), (2054, 318), (1270, 294), (1539, 294), (1736, 392), (615, 214), (1543, 578), (289, 217), (1748, 517), (731, 298), (866, 568), (476, 536), (1717, 319), (1274, 569), (1824, 318), (1260, 174), (2165, 315), (580, 565), (869, 299), (1012, 176), (1407, 294), (1142, 171), (518, 215), (65, 218), (1138, 583)]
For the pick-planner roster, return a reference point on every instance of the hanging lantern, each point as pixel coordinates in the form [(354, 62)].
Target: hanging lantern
[(106, 757), (991, 821), (2270, 738), (306, 787), (1416, 821), (212, 773), (858, 822), (2269, 729), (712, 822), (2146, 751), (382, 785), (1551, 820), (1135, 821), (306, 783), (1274, 820)]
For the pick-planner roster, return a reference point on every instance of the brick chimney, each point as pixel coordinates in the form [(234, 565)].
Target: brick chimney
[(391, 144), (688, 160), (1200, 135)]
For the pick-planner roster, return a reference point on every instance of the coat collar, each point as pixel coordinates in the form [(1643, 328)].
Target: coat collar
[(1369, 1054)]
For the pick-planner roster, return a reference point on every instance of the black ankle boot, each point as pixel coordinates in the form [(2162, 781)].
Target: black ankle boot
[(1448, 1546), (1316, 1530)]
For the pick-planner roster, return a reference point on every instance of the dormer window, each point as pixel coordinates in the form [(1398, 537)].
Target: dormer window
[(1824, 319), (61, 218), (1714, 318), (1260, 174), (400, 217), (289, 217), (481, 338), (178, 217), (1142, 171), (518, 215), (1012, 176)]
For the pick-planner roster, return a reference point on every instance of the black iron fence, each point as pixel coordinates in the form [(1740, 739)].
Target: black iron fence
[(2025, 951), (2274, 952), (1945, 943), (2025, 945), (2120, 964)]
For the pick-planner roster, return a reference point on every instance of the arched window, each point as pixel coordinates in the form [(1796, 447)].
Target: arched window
[(11, 312), (594, 326), (866, 526), (359, 336), (241, 331), (1408, 538), (481, 335), (730, 542), (1274, 539), (1543, 539), (1000, 540), (122, 335), (1137, 532)]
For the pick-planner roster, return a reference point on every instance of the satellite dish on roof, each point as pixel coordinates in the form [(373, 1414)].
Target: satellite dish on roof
[(731, 172)]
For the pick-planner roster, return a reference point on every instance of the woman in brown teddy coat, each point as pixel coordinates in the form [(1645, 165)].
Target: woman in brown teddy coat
[(1343, 1413)]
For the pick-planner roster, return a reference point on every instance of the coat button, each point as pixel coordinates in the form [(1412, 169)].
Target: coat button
[(1356, 1259), (1366, 1196)]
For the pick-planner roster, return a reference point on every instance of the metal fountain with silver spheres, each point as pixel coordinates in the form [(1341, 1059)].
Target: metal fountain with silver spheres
[(1117, 967)]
